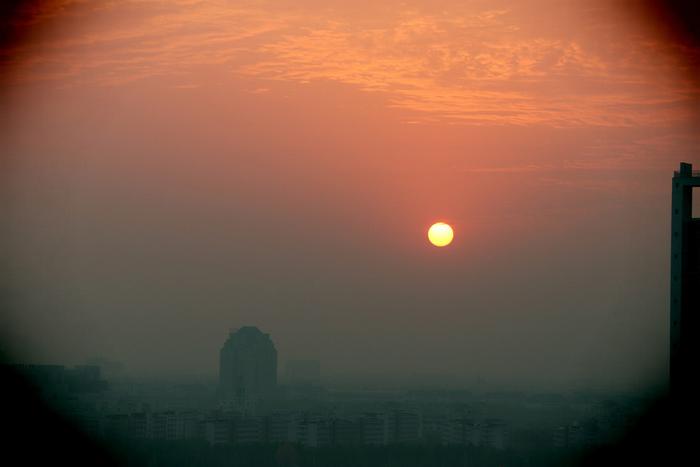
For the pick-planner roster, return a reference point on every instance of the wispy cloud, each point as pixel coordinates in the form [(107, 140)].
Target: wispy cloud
[(477, 67), (461, 64)]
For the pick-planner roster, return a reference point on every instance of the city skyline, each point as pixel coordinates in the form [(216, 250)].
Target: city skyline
[(306, 233), (171, 169)]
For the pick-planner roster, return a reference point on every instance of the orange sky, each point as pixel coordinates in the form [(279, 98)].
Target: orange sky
[(183, 167)]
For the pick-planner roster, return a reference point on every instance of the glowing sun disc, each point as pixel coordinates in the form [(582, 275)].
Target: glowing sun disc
[(440, 234)]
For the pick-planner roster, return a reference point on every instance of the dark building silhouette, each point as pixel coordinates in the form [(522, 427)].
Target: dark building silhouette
[(685, 280), (57, 381), (247, 366)]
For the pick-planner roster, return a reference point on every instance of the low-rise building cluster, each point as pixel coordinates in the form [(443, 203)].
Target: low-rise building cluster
[(309, 429)]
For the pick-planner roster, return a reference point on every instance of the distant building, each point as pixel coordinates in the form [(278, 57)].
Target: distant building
[(492, 433), (139, 425), (186, 425), (57, 381), (343, 432), (110, 370), (373, 429), (685, 281), (249, 430), (402, 426), (277, 427), (247, 366), (85, 378), (303, 372), (310, 430), (163, 425), (435, 427), (218, 430), (462, 431)]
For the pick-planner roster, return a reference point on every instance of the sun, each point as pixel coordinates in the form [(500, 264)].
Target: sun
[(440, 234)]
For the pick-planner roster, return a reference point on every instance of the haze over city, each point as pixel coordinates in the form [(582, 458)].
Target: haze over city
[(172, 170)]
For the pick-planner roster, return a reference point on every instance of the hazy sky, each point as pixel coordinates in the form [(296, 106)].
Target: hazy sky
[(173, 169)]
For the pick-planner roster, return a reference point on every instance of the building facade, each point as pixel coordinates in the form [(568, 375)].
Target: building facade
[(247, 366), (685, 281)]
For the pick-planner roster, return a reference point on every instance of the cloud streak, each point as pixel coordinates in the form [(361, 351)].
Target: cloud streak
[(460, 65)]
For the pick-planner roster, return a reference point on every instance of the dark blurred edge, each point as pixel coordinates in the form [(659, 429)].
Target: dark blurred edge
[(661, 437), (38, 435), (35, 434), (678, 20), (19, 20)]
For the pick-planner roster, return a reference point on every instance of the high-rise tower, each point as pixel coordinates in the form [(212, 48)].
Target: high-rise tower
[(685, 280), (247, 366)]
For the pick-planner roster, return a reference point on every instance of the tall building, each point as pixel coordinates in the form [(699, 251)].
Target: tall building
[(247, 366), (685, 281)]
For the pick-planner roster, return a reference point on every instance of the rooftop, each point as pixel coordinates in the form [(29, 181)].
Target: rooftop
[(692, 173), (686, 171)]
